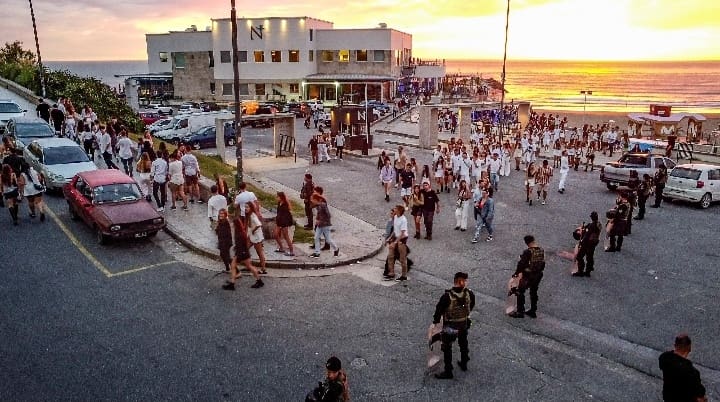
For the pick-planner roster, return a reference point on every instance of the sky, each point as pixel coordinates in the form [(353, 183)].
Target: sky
[(450, 29)]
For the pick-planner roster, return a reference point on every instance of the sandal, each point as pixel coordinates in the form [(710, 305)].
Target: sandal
[(279, 250)]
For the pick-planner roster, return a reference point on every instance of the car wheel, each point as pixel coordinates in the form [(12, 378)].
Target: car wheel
[(612, 187), (73, 215), (231, 141), (100, 236), (705, 201), (196, 145)]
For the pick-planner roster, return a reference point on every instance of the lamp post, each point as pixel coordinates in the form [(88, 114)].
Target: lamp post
[(236, 91), (37, 48), (585, 93), (502, 95), (337, 85)]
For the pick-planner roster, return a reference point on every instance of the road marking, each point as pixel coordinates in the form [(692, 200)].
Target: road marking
[(100, 266)]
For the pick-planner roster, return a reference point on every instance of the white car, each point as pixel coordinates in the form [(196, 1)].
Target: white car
[(58, 159), (8, 110), (694, 182), (160, 108)]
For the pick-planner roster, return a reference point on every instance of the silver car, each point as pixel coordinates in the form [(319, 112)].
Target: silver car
[(58, 159), (9, 110)]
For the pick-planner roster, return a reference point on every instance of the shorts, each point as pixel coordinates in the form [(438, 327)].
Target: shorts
[(405, 192), (191, 180), (416, 211), (530, 182), (543, 187), (174, 187), (33, 197)]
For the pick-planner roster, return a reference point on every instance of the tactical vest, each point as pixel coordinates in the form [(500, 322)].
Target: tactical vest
[(459, 308), (537, 259)]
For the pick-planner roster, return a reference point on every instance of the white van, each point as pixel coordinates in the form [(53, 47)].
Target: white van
[(694, 182), (189, 123)]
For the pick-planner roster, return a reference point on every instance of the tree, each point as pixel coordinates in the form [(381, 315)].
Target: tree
[(13, 53)]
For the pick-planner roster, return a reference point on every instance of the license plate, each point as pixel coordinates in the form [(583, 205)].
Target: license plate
[(141, 234)]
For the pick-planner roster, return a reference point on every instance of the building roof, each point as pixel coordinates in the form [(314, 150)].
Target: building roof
[(350, 77), (673, 118), (272, 18)]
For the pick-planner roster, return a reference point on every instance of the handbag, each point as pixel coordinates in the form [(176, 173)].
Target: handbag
[(459, 203)]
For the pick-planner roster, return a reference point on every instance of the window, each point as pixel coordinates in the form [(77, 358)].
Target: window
[(379, 55), (311, 35), (686, 173), (327, 55), (179, 60), (227, 89), (294, 88), (259, 56), (713, 174), (244, 89), (163, 57), (225, 56), (212, 59), (242, 56), (361, 55), (259, 89), (276, 56), (294, 56), (344, 56), (212, 88), (311, 56)]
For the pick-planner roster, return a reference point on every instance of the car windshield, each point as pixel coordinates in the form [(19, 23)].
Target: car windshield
[(685, 173), (114, 193), (9, 108), (33, 130), (64, 155), (634, 160)]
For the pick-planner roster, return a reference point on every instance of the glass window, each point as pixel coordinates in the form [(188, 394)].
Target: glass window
[(327, 55), (212, 59), (311, 56), (242, 56), (714, 174), (259, 89), (294, 56), (379, 55), (34, 130), (276, 56), (244, 90), (64, 155), (259, 56), (361, 55), (225, 56), (112, 193), (227, 89), (294, 88), (344, 56), (179, 60), (686, 173), (163, 57), (212, 88), (669, 163)]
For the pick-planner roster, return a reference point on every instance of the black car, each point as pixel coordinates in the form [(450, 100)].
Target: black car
[(295, 108), (205, 137), (25, 129)]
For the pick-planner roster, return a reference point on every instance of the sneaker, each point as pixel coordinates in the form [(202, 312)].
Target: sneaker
[(32, 215), (388, 277), (258, 284), (185, 208), (462, 365), (489, 238), (445, 375), (173, 207), (42, 217), (417, 235), (200, 201), (531, 314), (516, 314), (263, 271), (474, 240), (578, 273), (457, 227), (530, 202), (337, 251), (228, 286), (160, 209), (315, 255), (289, 254), (543, 202), (401, 279), (192, 201)]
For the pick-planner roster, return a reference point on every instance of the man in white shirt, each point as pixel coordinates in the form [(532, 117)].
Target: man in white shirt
[(339, 145), (191, 171), (125, 152), (243, 198), (105, 143), (215, 203), (564, 169), (465, 164), (158, 175), (397, 243), (494, 166), (177, 181), (456, 161)]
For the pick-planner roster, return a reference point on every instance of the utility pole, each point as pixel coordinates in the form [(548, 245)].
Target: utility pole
[(236, 91), (502, 95), (37, 48)]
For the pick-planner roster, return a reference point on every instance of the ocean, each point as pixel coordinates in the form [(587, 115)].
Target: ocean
[(552, 85)]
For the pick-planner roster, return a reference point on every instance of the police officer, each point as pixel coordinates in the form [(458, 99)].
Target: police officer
[(617, 224), (660, 179), (643, 192), (334, 387), (454, 307), (589, 239), (531, 266)]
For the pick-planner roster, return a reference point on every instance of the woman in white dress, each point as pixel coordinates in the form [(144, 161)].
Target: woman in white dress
[(506, 153), (439, 169)]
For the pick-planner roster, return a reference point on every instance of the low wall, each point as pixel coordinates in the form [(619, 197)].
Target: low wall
[(21, 91)]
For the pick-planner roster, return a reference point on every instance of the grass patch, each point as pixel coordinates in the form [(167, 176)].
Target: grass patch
[(212, 164)]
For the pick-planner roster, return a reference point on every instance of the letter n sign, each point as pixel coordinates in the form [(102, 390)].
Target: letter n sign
[(256, 32)]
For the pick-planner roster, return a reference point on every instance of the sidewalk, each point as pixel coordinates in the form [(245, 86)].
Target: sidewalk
[(357, 239)]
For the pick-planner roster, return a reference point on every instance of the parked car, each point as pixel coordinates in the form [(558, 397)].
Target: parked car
[(58, 159), (111, 203), (190, 107), (315, 104), (209, 107), (694, 182), (160, 108), (159, 125), (149, 117), (205, 137), (615, 174), (9, 110), (185, 124), (25, 129), (294, 107)]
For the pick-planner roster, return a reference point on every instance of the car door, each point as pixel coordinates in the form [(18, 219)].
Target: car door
[(669, 163), (82, 195), (209, 138), (714, 183)]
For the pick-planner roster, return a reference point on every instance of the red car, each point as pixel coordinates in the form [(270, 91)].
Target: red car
[(150, 117), (111, 203)]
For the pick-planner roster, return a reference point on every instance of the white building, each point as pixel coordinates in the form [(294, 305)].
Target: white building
[(292, 58)]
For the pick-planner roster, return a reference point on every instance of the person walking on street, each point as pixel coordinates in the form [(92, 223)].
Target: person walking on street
[(224, 235), (643, 192), (322, 223), (487, 214), (589, 239), (531, 266), (242, 256), (542, 177), (283, 222), (661, 177), (33, 191), (398, 242), (176, 181), (387, 178), (125, 147), (430, 208), (191, 173), (313, 145), (106, 149), (10, 192), (454, 308), (681, 381), (159, 176), (417, 200), (462, 206), (215, 204), (530, 182), (255, 233), (564, 169), (339, 145), (305, 193)]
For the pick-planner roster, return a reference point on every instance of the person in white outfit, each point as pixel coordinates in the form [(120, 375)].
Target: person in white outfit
[(462, 207), (564, 169)]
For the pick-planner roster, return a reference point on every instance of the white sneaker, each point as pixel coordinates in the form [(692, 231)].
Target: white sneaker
[(474, 240), (160, 209), (543, 202)]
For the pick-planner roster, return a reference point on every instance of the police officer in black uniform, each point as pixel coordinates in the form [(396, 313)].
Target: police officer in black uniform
[(617, 224), (589, 239), (531, 266), (660, 179), (454, 307), (643, 193)]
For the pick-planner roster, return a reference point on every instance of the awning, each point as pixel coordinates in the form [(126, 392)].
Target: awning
[(349, 78)]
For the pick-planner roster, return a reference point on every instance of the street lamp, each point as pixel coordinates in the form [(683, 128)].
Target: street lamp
[(37, 48), (502, 95), (585, 92), (236, 90)]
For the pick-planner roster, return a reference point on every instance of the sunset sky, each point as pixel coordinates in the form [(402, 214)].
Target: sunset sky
[(451, 29)]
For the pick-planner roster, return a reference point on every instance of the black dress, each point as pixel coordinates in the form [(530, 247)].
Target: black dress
[(284, 218), (224, 234), (242, 252)]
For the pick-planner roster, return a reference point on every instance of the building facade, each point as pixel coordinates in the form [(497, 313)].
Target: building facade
[(287, 59)]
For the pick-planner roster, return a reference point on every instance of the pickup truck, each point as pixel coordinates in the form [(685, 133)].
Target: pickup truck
[(615, 174)]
